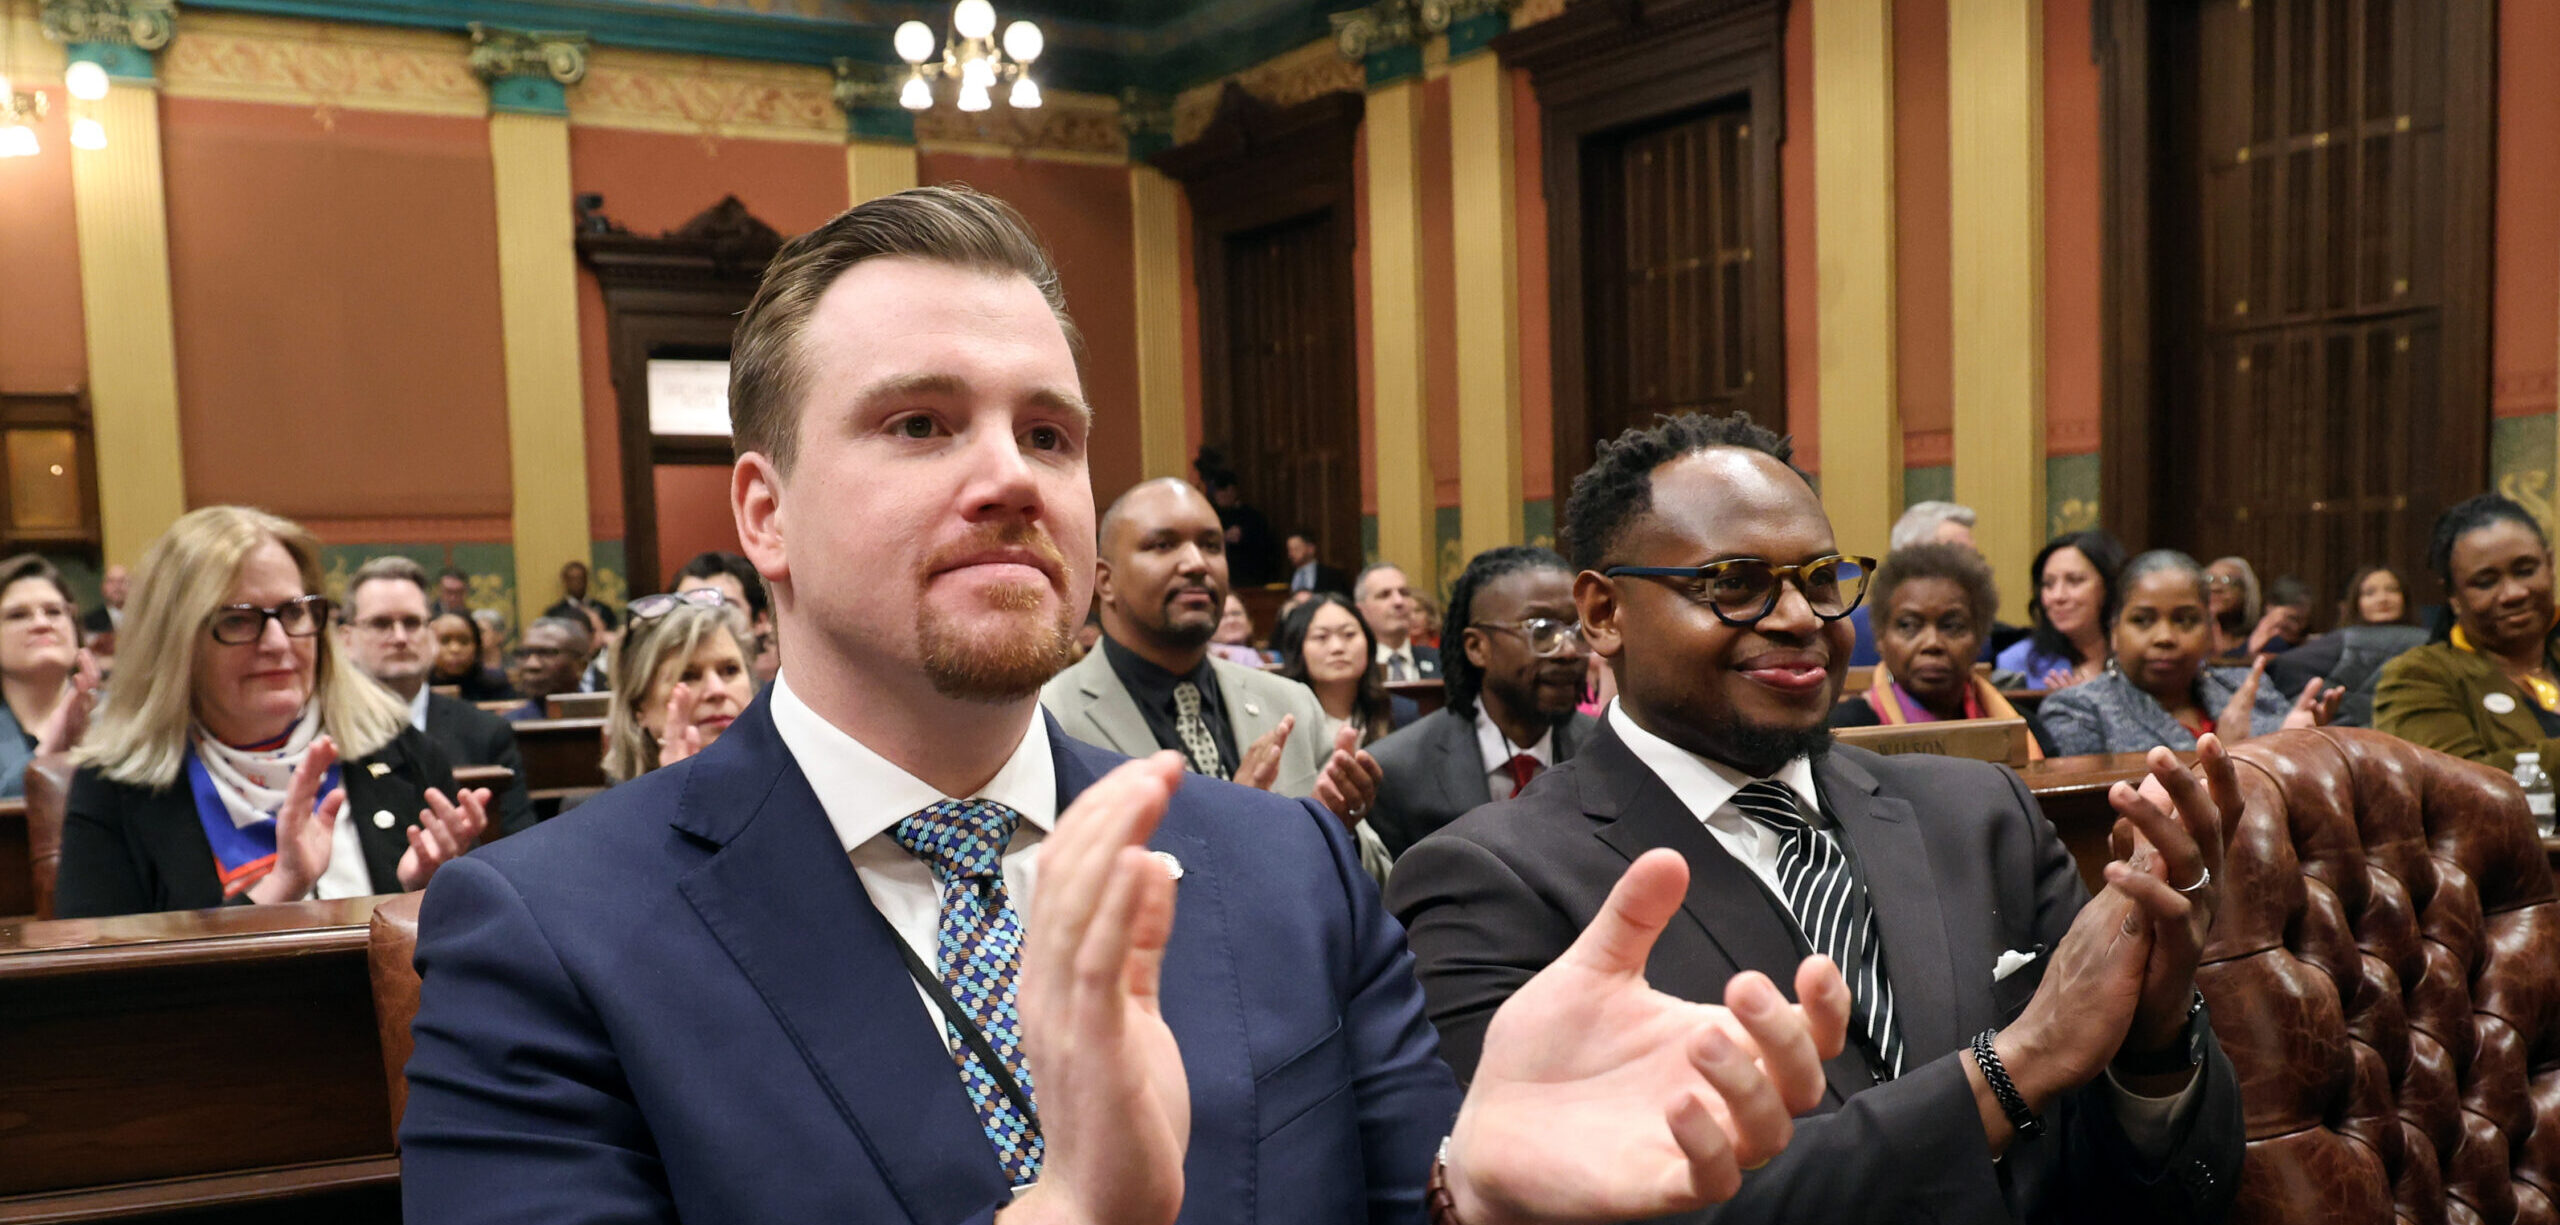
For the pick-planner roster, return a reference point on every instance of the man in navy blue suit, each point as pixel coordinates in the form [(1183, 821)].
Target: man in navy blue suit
[(895, 949)]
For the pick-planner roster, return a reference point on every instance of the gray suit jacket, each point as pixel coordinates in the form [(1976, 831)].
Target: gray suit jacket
[(1089, 701), (1435, 774)]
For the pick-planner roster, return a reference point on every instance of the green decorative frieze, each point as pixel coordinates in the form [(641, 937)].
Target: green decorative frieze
[(528, 71), (867, 93)]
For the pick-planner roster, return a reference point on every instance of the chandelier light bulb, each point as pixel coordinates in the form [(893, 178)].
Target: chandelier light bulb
[(979, 73), (974, 18), (86, 80), (88, 134), (1026, 96), (18, 140), (914, 41), (916, 96), (974, 98), (1023, 42)]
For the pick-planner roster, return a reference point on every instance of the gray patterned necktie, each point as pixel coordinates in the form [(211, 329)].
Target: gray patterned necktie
[(1197, 743), (1830, 908)]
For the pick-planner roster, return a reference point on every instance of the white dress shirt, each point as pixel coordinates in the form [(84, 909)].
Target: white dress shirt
[(864, 795), (418, 707), (1412, 668), (1498, 752), (1707, 787)]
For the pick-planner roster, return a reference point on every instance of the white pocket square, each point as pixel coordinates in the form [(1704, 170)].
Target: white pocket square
[(2013, 961)]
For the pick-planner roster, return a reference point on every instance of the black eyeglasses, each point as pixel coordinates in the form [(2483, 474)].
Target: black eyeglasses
[(652, 607), (1742, 590), (1547, 636), (238, 625)]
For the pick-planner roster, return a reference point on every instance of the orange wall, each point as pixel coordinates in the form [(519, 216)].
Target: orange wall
[(1924, 333), (651, 183), (693, 514), (1795, 187), (40, 343), (2525, 323), (336, 298), (2073, 231), (1082, 212)]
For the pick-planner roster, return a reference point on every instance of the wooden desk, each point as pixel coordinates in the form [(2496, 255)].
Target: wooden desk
[(577, 705), (561, 754), (17, 868), (2073, 794), (218, 1058)]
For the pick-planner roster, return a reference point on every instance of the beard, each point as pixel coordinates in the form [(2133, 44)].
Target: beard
[(1751, 742), (996, 665)]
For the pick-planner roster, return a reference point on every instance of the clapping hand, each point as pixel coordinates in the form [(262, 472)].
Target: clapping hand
[(2169, 847), (679, 737), (2235, 723), (305, 832), (445, 831), (1349, 784), (69, 721), (1261, 765), (2317, 705), (1601, 1099)]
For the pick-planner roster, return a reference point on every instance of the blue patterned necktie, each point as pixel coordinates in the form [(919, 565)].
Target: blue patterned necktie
[(979, 954)]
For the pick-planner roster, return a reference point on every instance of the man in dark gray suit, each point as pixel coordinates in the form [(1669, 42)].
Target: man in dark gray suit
[(385, 632), (2019, 1050), (1514, 673)]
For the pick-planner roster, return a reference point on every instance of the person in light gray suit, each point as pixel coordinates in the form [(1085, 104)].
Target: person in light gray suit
[(1150, 684), (1514, 676)]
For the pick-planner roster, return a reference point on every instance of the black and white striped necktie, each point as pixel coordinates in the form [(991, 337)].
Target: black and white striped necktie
[(1830, 908)]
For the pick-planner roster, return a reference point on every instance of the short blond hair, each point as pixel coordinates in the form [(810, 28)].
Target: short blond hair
[(140, 734), (629, 750)]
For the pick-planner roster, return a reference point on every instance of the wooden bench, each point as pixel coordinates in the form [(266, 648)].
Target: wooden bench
[(219, 1059), (17, 862), (561, 754), (1995, 740), (577, 705)]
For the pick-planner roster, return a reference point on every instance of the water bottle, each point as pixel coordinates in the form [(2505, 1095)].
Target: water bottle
[(2537, 790)]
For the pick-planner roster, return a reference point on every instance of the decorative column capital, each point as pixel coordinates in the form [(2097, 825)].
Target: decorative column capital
[(867, 93), (1471, 25), (528, 72), (117, 35), (1146, 117), (1385, 38)]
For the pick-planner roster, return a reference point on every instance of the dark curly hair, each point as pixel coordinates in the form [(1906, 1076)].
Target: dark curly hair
[(1373, 710), (1956, 563), (1618, 487), (1459, 674), (2106, 557), (2468, 516)]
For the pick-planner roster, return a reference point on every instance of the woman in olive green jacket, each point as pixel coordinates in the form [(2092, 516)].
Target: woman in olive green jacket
[(2491, 688)]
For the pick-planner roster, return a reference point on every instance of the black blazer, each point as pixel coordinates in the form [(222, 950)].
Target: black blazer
[(98, 620), (136, 850), (1435, 774), (1960, 867), (470, 736)]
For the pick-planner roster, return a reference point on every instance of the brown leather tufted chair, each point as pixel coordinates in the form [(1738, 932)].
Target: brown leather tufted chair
[(2385, 975), (392, 942)]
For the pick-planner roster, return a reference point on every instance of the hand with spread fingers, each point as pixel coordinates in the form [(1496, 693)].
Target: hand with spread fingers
[(2232, 722), (682, 738), (1261, 765), (2169, 842), (1114, 1101), (69, 721), (1349, 784), (446, 831), (2317, 705), (305, 829), (1601, 1099)]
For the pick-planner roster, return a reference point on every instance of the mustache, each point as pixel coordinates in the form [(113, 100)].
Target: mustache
[(1021, 536)]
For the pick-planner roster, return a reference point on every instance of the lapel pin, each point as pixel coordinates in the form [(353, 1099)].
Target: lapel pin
[(1252, 708), (1172, 866), (2499, 704), (378, 768), (382, 819)]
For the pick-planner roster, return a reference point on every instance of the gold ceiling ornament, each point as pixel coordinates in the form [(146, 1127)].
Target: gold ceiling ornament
[(145, 25), (496, 53)]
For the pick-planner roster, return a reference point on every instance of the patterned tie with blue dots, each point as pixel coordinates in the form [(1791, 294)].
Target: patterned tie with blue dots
[(979, 955)]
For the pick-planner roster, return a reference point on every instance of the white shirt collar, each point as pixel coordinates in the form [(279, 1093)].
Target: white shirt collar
[(1386, 652), (864, 794), (1498, 750), (1705, 785), (418, 707)]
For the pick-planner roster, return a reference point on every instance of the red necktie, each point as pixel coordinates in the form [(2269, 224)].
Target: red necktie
[(1523, 768)]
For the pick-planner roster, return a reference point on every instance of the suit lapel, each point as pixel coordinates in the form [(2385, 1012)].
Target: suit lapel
[(1113, 714), (1249, 713), (1462, 774), (784, 902), (1894, 860)]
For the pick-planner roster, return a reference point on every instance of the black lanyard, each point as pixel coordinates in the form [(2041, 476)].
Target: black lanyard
[(969, 1033)]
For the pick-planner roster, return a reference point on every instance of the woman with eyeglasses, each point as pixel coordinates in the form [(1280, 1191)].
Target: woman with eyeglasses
[(2158, 690), (459, 653), (679, 679), (239, 759), (1325, 645), (1932, 606)]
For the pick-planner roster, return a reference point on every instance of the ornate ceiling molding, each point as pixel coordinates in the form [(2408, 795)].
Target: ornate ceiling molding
[(144, 25), (711, 100), (230, 58), (498, 54)]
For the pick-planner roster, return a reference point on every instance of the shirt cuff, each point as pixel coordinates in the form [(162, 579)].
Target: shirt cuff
[(2153, 1124)]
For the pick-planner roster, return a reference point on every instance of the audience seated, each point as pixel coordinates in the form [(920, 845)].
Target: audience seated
[(108, 616), (1927, 523), (680, 678), (1325, 645), (47, 683), (453, 593), (1936, 602), (238, 758), (1514, 675), (737, 579), (2489, 686), (1234, 640), (2159, 689), (1385, 599), (2373, 629), (552, 660), (457, 660), (1306, 573), (385, 636), (2244, 624), (575, 603), (2075, 582)]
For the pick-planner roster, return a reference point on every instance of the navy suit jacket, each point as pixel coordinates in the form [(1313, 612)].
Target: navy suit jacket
[(677, 1002)]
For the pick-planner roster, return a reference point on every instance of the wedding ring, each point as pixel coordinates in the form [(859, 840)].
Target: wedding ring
[(2201, 881)]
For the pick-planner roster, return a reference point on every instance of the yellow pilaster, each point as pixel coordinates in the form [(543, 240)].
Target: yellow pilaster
[(1483, 232), (1861, 421), (538, 310), (876, 168), (1406, 535), (1995, 129), (1155, 214), (121, 205)]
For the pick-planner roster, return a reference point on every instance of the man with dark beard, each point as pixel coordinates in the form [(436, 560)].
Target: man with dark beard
[(2019, 1051), (1512, 662), (1161, 584), (896, 949)]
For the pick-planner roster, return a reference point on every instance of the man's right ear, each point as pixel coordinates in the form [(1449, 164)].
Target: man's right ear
[(1101, 583), (1595, 597), (755, 502)]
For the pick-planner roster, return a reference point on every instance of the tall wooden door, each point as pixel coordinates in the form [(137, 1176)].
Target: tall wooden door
[(2323, 320), (1290, 423)]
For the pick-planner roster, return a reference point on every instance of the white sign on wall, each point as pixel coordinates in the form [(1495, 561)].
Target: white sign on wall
[(688, 397)]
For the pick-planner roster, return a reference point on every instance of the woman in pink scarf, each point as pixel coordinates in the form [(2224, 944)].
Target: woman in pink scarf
[(1932, 605)]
